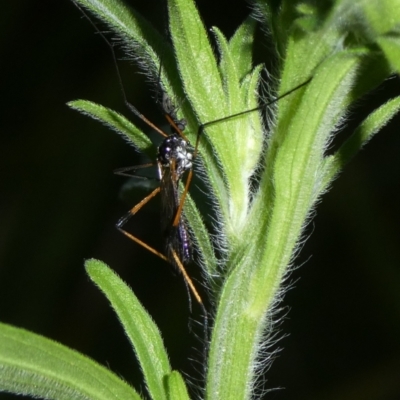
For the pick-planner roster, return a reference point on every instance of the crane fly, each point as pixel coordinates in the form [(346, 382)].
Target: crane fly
[(173, 159)]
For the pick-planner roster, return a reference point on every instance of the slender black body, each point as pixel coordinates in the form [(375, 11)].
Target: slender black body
[(174, 159)]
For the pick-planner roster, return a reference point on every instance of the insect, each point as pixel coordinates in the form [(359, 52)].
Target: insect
[(174, 159)]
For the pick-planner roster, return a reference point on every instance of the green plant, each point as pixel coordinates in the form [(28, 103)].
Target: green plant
[(264, 184)]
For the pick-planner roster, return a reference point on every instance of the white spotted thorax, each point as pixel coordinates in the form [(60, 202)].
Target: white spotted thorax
[(174, 149)]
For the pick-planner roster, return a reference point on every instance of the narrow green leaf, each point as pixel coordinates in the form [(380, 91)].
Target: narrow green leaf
[(196, 60), (137, 33), (202, 82), (364, 133), (303, 54), (176, 387), (201, 236), (258, 267), (241, 47), (229, 74), (142, 42), (138, 325), (33, 365), (116, 122), (308, 19), (324, 109), (391, 48), (383, 16), (374, 69)]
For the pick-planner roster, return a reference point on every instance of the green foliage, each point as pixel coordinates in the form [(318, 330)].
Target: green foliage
[(33, 365), (138, 325), (346, 48)]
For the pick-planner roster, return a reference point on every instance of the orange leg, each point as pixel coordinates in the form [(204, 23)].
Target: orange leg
[(178, 262), (130, 214)]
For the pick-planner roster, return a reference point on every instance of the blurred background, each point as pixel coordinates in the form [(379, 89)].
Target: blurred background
[(59, 201)]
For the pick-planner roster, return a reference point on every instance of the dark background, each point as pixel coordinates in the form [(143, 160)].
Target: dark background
[(59, 202)]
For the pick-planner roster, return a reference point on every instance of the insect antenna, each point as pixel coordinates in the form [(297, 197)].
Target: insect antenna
[(202, 128), (128, 104)]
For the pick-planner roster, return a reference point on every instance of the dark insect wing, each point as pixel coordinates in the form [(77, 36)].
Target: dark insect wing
[(174, 159), (176, 238)]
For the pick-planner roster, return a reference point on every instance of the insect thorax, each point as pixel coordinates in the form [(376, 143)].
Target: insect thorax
[(174, 149)]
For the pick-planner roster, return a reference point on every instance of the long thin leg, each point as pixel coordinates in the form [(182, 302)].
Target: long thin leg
[(143, 244), (176, 127), (187, 278), (196, 295), (123, 220), (124, 171)]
